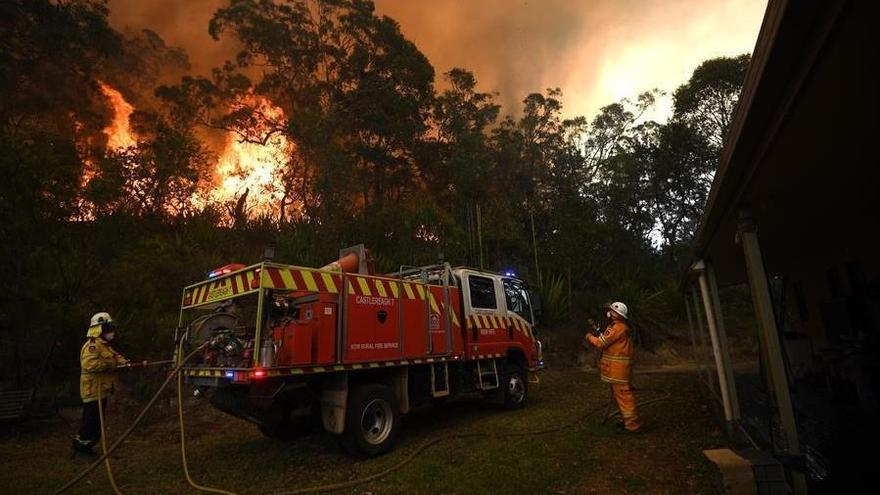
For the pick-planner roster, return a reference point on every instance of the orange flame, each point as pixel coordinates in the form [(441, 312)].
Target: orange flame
[(119, 135), (254, 167), (243, 167)]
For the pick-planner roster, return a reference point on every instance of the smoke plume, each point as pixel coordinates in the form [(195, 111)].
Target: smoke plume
[(596, 51)]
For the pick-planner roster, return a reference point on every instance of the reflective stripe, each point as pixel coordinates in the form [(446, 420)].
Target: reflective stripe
[(287, 279), (380, 288), (365, 289), (409, 292), (309, 280), (612, 380), (609, 357), (434, 306), (328, 281)]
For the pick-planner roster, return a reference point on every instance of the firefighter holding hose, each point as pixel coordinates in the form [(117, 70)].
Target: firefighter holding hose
[(99, 363), (615, 362)]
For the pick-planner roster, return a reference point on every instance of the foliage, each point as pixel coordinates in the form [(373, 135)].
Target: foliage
[(708, 99), (555, 303), (587, 209)]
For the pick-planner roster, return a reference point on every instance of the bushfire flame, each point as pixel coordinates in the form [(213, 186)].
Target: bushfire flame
[(253, 168), (242, 168), (119, 135)]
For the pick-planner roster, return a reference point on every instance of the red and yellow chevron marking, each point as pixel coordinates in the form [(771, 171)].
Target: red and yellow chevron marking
[(294, 278), (223, 288), (493, 321)]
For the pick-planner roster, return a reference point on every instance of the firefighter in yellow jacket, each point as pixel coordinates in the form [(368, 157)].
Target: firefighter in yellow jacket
[(97, 381), (615, 363)]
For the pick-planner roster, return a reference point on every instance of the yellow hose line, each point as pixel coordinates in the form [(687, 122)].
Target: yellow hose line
[(183, 438), (411, 457), (130, 429), (314, 489), (116, 489)]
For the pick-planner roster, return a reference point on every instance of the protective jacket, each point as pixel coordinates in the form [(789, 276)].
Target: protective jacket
[(98, 362), (615, 364)]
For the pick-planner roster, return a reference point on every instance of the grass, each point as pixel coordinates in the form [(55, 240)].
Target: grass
[(588, 457)]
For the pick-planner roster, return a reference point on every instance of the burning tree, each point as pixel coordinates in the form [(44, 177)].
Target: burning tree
[(350, 95)]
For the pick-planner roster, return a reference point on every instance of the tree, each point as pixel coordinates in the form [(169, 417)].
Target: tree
[(708, 99), (158, 177), (456, 157), (49, 106), (677, 175), (354, 92)]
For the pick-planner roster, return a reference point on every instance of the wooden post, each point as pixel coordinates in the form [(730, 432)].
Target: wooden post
[(721, 360), (768, 335), (695, 299), (722, 337), (693, 335)]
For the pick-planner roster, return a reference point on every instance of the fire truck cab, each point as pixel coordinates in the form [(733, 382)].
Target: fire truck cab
[(289, 347)]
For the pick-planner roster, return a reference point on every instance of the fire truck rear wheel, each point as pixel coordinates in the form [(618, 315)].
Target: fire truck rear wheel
[(515, 386), (371, 421)]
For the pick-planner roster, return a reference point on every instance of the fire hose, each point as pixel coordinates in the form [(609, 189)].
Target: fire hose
[(130, 429), (314, 489)]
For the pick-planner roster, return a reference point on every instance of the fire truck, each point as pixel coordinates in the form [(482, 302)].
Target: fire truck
[(289, 347)]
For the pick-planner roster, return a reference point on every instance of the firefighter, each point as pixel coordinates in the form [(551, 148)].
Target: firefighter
[(615, 363), (97, 380)]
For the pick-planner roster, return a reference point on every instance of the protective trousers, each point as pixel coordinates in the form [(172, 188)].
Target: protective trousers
[(90, 431), (626, 402)]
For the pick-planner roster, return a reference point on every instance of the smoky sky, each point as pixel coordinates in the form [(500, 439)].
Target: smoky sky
[(596, 51)]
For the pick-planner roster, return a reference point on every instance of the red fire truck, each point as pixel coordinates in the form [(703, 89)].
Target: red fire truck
[(284, 345)]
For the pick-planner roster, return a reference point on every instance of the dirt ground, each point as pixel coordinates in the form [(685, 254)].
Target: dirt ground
[(585, 458)]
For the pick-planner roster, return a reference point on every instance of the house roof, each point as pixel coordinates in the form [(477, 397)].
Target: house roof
[(797, 151)]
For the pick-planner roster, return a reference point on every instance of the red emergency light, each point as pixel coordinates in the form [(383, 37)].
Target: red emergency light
[(224, 270)]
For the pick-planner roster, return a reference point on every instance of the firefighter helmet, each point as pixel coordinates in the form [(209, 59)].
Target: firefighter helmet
[(96, 327), (100, 318), (619, 308)]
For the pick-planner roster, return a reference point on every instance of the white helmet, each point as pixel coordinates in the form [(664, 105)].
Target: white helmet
[(619, 308), (97, 326), (101, 318)]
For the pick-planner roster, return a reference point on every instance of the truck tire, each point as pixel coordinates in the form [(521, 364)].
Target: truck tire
[(372, 421), (514, 386)]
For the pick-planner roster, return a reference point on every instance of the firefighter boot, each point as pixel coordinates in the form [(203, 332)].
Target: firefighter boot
[(81, 450)]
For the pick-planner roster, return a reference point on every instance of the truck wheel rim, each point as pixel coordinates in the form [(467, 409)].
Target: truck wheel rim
[(516, 389), (376, 421)]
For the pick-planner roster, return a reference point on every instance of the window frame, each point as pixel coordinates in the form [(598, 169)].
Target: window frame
[(491, 281)]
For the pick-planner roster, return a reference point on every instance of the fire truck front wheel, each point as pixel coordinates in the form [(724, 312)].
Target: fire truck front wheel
[(515, 386), (371, 421)]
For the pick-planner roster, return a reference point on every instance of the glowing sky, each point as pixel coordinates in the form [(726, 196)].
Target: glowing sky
[(596, 51)]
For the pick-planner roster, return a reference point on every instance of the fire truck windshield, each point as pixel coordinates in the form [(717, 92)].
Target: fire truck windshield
[(517, 298)]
